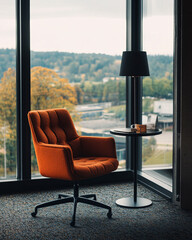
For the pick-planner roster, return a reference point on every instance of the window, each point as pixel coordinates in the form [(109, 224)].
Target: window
[(158, 87), (8, 143), (75, 60)]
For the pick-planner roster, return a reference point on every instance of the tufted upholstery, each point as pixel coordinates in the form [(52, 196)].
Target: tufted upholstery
[(61, 153)]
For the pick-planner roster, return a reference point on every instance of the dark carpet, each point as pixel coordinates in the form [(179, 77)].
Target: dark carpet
[(163, 220)]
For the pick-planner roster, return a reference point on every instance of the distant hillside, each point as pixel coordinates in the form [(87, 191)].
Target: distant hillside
[(88, 67), (7, 60), (159, 65), (77, 67)]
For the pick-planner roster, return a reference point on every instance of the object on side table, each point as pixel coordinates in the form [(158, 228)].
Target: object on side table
[(152, 121), (140, 128)]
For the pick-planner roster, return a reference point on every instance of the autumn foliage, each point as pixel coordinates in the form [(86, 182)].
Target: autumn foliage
[(48, 90)]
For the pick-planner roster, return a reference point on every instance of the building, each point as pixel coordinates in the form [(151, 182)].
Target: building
[(163, 107)]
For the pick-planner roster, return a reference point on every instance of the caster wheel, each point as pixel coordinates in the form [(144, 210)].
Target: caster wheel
[(109, 215), (33, 214), (72, 224)]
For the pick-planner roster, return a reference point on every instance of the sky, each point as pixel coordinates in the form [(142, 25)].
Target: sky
[(89, 26)]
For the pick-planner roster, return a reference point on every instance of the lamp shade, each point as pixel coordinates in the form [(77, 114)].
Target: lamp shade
[(134, 63)]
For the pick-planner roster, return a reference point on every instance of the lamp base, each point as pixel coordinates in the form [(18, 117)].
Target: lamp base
[(130, 203)]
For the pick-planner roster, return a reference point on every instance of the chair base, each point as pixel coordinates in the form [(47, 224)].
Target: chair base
[(75, 198)]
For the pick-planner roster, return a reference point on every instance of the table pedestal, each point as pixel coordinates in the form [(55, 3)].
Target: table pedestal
[(134, 202), (130, 203)]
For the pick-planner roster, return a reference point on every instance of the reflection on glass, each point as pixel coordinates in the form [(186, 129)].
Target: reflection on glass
[(75, 63), (7, 91), (158, 87)]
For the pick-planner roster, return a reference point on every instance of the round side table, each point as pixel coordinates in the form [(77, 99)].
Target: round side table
[(134, 202)]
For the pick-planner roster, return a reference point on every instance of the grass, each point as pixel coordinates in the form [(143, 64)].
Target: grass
[(159, 157)]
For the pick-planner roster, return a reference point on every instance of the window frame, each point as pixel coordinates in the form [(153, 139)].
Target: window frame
[(133, 42)]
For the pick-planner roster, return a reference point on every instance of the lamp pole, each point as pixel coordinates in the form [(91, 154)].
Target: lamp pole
[(135, 163)]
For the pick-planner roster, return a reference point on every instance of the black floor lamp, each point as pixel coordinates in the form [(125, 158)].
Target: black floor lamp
[(134, 64)]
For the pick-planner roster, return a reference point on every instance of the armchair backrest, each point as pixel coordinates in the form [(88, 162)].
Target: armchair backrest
[(53, 126)]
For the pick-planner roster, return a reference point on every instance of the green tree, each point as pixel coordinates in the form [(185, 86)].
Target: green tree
[(147, 105), (122, 90), (148, 87), (80, 94), (98, 91), (112, 92), (74, 67), (87, 90), (162, 87)]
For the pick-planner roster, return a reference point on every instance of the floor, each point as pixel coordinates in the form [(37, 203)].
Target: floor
[(161, 221)]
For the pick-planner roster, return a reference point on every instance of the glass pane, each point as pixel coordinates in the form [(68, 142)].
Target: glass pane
[(7, 90), (158, 87), (76, 53)]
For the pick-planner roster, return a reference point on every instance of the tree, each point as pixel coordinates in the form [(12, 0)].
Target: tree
[(113, 91), (87, 89), (48, 90), (122, 90), (162, 87), (147, 105), (8, 117), (148, 87)]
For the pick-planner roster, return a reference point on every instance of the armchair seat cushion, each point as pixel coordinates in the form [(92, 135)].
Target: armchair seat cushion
[(90, 167)]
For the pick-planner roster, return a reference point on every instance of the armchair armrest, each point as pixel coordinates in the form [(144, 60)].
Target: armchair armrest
[(98, 146), (54, 160)]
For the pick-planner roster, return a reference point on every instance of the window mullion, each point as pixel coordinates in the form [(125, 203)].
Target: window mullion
[(24, 90)]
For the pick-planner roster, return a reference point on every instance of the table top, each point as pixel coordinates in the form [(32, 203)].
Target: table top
[(127, 132)]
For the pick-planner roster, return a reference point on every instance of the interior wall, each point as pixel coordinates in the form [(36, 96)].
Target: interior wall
[(186, 105)]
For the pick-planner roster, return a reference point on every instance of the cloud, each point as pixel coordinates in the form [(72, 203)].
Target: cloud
[(66, 8)]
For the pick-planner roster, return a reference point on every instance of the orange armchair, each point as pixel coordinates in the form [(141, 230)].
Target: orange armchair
[(63, 154)]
